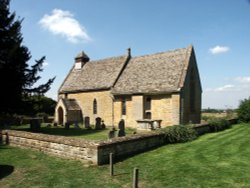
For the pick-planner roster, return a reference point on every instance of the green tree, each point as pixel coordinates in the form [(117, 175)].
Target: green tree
[(33, 105), (16, 77), (244, 110)]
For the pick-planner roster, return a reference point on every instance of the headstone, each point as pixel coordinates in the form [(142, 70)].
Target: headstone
[(67, 125), (111, 133), (121, 131), (156, 125), (86, 122), (98, 123), (76, 126), (121, 124), (103, 126), (35, 124)]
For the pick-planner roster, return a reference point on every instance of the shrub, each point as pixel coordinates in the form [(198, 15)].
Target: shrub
[(244, 110), (218, 124), (179, 133)]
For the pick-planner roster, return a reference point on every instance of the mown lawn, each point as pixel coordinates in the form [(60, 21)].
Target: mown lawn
[(213, 160), (90, 134)]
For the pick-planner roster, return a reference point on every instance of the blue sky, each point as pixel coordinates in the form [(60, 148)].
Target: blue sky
[(219, 30)]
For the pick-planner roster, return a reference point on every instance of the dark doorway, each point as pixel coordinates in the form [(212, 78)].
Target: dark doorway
[(60, 115)]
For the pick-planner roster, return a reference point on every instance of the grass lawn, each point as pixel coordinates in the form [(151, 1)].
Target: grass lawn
[(213, 160), (90, 134)]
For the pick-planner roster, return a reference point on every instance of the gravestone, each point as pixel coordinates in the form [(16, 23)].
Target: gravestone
[(156, 125), (35, 124), (98, 123), (121, 131), (111, 133), (86, 122), (103, 126), (76, 126), (67, 125)]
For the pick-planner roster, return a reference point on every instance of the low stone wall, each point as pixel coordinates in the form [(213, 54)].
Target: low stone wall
[(126, 146), (80, 149), (205, 128), (202, 129), (92, 151)]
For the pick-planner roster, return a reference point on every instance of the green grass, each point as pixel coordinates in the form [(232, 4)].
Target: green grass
[(213, 160), (89, 134)]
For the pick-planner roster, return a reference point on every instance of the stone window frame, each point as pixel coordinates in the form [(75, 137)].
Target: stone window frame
[(94, 106), (147, 107), (148, 102), (123, 106)]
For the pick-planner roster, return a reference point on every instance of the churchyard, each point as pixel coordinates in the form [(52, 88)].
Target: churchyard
[(81, 132), (213, 160)]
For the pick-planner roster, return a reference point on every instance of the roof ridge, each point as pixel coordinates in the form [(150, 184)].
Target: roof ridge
[(108, 58), (164, 52)]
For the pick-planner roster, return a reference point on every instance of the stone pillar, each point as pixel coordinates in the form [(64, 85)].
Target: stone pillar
[(176, 109)]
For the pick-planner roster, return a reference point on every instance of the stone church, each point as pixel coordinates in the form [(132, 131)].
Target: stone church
[(160, 89)]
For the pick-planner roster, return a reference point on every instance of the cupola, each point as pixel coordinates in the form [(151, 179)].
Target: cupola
[(80, 60)]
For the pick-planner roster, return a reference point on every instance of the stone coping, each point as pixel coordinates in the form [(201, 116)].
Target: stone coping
[(53, 138), (129, 138)]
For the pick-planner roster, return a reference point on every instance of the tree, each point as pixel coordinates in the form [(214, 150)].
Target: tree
[(244, 110), (34, 105), (16, 77)]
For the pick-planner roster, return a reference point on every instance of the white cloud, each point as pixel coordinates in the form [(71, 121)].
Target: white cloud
[(227, 87), (243, 79), (219, 49), (63, 23)]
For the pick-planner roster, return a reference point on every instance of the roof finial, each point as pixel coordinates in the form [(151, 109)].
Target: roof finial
[(129, 52)]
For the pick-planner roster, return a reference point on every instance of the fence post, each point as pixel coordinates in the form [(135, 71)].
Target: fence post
[(136, 178), (111, 164)]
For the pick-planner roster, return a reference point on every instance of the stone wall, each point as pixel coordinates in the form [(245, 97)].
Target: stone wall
[(87, 151), (165, 107), (191, 97), (79, 149), (126, 146), (104, 105), (90, 151)]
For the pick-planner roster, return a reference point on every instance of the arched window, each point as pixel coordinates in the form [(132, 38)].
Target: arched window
[(123, 106), (94, 106)]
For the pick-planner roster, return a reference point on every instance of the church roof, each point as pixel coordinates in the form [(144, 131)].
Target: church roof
[(157, 73), (94, 75), (71, 104)]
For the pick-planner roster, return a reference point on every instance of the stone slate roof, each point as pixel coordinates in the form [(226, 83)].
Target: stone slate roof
[(158, 73), (71, 104), (94, 75)]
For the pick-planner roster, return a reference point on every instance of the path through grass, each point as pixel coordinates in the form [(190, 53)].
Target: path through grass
[(214, 160)]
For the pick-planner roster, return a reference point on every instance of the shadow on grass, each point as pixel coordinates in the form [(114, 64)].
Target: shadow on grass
[(5, 170), (61, 131), (3, 146)]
